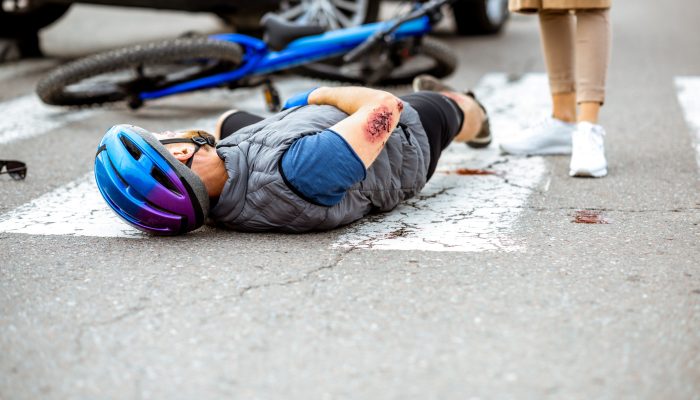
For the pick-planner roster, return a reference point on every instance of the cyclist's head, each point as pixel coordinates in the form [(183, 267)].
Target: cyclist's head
[(184, 144), (149, 185)]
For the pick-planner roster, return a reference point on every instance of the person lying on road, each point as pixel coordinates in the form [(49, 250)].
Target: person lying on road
[(334, 155)]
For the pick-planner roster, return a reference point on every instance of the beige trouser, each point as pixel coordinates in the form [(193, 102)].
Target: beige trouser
[(576, 47)]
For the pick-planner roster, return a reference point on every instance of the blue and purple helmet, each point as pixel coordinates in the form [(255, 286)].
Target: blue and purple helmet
[(146, 185)]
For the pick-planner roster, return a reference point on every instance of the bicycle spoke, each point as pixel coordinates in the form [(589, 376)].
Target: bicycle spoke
[(346, 5), (344, 21), (332, 21), (321, 18), (332, 14), (293, 12)]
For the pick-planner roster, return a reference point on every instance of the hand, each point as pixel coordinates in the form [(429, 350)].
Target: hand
[(300, 99)]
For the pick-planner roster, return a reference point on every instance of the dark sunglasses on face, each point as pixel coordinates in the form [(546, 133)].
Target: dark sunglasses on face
[(16, 169)]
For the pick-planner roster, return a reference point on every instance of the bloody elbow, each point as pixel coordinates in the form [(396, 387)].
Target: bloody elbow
[(383, 118)]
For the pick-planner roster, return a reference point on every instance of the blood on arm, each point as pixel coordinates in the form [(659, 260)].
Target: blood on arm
[(370, 125), (380, 122)]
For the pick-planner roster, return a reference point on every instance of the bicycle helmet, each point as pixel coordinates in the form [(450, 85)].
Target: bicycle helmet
[(146, 185)]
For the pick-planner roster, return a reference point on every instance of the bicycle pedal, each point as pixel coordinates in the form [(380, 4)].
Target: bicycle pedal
[(272, 97)]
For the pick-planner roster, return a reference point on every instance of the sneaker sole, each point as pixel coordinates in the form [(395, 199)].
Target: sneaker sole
[(415, 87), (434, 85), (479, 144), (598, 173), (551, 151), (483, 138)]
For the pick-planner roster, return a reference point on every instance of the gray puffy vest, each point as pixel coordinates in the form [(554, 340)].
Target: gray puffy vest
[(256, 197)]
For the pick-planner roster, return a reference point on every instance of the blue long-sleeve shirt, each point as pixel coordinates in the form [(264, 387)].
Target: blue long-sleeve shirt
[(322, 167)]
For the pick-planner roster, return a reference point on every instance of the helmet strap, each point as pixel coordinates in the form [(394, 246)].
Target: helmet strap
[(198, 142)]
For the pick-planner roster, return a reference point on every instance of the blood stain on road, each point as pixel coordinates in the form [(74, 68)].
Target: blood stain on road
[(469, 171), (589, 217)]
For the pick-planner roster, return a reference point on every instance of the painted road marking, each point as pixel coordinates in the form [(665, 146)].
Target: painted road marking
[(27, 117), (31, 117), (24, 68), (688, 88), (453, 213), (75, 209), (468, 213)]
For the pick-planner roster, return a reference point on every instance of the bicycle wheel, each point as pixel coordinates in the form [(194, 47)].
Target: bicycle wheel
[(482, 17), (431, 57), (124, 73), (330, 14)]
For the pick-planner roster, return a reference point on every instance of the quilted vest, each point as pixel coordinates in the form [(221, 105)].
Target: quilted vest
[(256, 198)]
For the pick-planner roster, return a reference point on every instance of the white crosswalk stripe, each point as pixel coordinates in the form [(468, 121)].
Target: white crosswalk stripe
[(75, 209), (689, 97), (27, 117), (454, 212), (24, 68), (468, 213)]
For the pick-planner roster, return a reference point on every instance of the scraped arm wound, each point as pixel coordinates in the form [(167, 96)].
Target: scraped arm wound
[(368, 129)]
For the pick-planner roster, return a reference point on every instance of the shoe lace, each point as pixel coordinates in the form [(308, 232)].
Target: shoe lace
[(538, 123), (591, 140)]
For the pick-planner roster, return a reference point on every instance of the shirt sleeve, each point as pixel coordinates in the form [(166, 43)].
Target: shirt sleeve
[(322, 167)]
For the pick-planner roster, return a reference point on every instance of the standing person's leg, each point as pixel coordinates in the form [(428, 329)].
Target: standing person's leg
[(552, 135), (593, 38), (557, 30), (592, 56)]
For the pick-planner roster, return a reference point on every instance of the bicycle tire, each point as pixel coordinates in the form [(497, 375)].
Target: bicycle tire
[(52, 89), (475, 17), (445, 64)]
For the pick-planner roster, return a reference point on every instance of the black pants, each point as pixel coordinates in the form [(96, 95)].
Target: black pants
[(440, 116)]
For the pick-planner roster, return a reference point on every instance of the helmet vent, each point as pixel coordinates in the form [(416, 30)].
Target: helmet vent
[(131, 147), (159, 176)]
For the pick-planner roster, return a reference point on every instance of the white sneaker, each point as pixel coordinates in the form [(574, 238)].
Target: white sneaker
[(548, 136), (588, 155)]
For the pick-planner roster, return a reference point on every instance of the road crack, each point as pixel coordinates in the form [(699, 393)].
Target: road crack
[(337, 258)]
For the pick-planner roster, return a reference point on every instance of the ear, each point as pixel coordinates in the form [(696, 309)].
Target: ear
[(182, 153)]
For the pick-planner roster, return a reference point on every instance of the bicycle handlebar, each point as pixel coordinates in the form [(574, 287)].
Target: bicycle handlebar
[(382, 34)]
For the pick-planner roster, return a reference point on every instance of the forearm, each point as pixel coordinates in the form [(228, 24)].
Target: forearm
[(351, 99), (373, 115)]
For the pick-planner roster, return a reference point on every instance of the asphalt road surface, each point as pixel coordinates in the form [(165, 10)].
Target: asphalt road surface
[(484, 287)]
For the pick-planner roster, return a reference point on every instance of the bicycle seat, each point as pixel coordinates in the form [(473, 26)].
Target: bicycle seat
[(279, 32)]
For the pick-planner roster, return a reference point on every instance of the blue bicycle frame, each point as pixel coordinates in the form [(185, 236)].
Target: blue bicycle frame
[(259, 60)]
